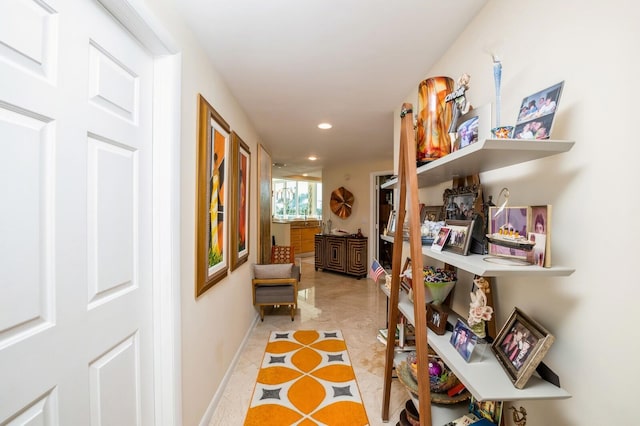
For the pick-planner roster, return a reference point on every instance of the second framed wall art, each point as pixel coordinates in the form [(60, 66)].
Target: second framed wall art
[(239, 201)]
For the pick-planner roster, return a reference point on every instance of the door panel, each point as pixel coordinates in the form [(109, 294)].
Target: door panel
[(75, 265), (26, 162)]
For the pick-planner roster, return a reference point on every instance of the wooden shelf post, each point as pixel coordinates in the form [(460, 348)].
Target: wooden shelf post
[(408, 186)]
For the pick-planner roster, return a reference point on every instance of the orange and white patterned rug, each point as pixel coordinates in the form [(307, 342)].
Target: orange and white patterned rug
[(306, 379)]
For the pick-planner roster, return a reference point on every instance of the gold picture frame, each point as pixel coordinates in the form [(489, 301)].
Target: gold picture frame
[(239, 201), (212, 173)]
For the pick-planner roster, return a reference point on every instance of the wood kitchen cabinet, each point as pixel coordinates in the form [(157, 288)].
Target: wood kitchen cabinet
[(302, 238)]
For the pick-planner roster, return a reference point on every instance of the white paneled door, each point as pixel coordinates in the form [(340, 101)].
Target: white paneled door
[(75, 217)]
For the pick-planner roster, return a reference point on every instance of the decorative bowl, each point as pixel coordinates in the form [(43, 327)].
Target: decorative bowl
[(405, 377), (502, 132), (441, 378), (437, 292)]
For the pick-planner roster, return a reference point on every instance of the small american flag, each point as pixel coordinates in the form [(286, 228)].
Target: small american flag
[(376, 270)]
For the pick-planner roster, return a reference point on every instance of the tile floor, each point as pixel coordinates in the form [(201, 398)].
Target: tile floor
[(326, 301)]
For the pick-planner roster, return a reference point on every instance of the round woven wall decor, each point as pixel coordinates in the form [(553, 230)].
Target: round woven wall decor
[(341, 202)]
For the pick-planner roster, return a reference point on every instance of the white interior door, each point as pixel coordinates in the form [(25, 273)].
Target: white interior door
[(75, 252)]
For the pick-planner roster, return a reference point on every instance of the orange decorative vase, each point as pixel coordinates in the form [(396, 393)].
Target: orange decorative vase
[(434, 119)]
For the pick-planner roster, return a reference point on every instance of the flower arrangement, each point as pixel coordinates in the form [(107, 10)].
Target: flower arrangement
[(438, 275), (479, 312), (439, 283)]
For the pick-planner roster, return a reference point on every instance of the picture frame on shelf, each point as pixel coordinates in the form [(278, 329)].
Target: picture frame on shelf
[(516, 218), (391, 223), (430, 213), (537, 113), (520, 346), (406, 282), (490, 410), (537, 255), (541, 224), (474, 126), (437, 319), (463, 340), (462, 203), (441, 239), (459, 236)]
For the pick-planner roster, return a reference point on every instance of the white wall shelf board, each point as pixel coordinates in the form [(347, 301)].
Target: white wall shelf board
[(483, 156), (484, 378)]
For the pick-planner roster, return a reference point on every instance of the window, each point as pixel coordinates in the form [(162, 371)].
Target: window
[(296, 199)]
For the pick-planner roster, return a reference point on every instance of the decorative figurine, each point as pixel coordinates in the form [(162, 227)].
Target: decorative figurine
[(461, 106), (519, 416), (479, 312)]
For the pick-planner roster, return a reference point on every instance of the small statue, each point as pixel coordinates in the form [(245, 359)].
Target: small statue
[(479, 312), (461, 106), (519, 416)]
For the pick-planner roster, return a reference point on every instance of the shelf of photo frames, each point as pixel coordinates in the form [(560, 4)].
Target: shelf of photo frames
[(483, 376), (486, 265), (484, 156)]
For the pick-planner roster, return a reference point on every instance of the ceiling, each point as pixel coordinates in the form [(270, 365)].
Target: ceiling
[(292, 64)]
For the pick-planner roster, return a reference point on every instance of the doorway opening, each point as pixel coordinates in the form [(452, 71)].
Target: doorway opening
[(381, 206)]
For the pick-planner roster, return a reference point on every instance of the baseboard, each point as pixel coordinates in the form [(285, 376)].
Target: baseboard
[(208, 415)]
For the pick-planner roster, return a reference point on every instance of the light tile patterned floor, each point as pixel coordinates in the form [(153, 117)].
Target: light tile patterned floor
[(326, 301)]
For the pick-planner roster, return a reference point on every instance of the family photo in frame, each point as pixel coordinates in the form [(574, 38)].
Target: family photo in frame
[(520, 346), (437, 319), (537, 112), (473, 126), (462, 203), (463, 340), (441, 239), (459, 236)]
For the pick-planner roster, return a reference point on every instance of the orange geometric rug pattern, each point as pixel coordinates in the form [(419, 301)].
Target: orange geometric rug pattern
[(306, 379)]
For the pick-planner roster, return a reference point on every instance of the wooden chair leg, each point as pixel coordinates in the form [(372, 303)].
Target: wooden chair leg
[(261, 313), (293, 311)]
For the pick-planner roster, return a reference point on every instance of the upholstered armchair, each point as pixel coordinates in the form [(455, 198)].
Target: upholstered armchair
[(275, 285)]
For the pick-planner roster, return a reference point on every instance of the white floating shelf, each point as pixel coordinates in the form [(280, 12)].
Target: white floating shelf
[(484, 378), (483, 156), (488, 266)]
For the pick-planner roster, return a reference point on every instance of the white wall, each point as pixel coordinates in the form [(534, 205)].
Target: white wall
[(356, 178), (213, 325), (592, 46)]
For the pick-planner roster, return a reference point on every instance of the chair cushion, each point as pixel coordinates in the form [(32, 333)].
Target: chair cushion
[(277, 294), (279, 270)]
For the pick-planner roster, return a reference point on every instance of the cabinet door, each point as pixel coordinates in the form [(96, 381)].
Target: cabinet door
[(336, 253), (307, 239), (357, 260), (296, 239), (319, 252)]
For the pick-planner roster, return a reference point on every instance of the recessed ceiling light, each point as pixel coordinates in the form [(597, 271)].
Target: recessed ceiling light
[(325, 126), (312, 157), (305, 174)]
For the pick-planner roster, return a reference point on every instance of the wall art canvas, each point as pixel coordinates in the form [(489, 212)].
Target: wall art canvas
[(211, 201)]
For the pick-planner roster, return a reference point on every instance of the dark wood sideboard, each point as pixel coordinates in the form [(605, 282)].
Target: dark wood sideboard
[(345, 254)]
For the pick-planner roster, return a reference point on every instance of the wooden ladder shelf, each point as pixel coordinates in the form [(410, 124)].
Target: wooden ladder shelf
[(408, 187)]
